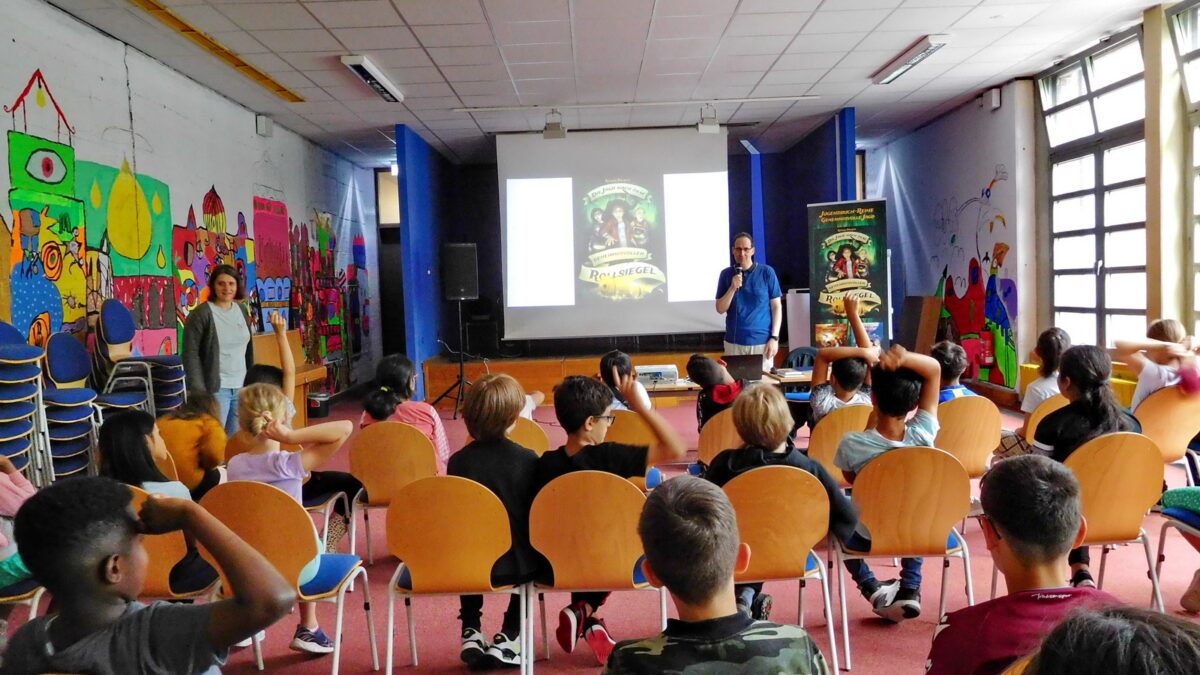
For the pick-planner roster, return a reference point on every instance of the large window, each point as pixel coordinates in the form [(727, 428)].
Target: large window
[(1093, 105)]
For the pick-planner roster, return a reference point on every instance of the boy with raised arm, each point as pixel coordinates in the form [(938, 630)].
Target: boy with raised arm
[(83, 542), (583, 406), (850, 367)]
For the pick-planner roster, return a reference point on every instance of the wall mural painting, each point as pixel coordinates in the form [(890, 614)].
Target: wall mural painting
[(318, 293), (273, 280), (979, 299), (196, 248)]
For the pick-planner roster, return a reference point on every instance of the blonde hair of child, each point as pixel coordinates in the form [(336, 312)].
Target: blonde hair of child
[(761, 416), (259, 405), (492, 406), (1166, 330)]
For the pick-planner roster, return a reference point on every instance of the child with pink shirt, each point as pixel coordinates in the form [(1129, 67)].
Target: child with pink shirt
[(391, 401)]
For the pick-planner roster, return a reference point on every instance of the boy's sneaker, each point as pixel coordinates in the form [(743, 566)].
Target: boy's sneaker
[(505, 651), (1083, 578), (595, 633), (570, 627), (880, 595), (474, 651), (311, 641), (760, 609), (906, 605)]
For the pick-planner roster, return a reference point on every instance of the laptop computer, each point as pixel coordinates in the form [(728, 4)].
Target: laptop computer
[(744, 366)]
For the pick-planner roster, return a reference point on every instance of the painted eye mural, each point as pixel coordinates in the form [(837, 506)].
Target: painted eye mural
[(46, 166)]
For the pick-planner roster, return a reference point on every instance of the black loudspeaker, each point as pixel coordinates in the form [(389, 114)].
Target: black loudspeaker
[(460, 272)]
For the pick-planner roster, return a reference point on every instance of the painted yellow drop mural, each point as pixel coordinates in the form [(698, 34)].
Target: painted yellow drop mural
[(128, 216)]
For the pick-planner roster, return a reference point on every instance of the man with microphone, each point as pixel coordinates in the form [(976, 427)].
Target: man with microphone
[(748, 295)]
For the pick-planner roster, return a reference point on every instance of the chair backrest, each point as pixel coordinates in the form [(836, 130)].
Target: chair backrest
[(116, 330), (782, 512), (970, 430), (386, 456), (1039, 413), (630, 428), (1172, 418), (67, 361), (910, 498), (531, 435), (421, 514), (10, 335), (1121, 478), (801, 357), (718, 435), (166, 464), (268, 519), (585, 523), (823, 443), (163, 551)]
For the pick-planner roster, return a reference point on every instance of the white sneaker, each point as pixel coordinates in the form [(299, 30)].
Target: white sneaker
[(475, 649), (505, 651)]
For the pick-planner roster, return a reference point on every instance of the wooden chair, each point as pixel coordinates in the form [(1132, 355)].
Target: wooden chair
[(909, 500), (531, 435), (783, 513), (438, 565), (1044, 408), (275, 524), (163, 552), (166, 464), (386, 456), (1171, 418), (970, 430), (600, 550), (717, 436), (823, 444), (1120, 476), (629, 427), (1020, 666)]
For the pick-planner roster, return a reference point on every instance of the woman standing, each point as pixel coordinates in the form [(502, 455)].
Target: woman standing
[(216, 343)]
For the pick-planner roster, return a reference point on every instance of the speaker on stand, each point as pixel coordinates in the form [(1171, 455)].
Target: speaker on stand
[(460, 282)]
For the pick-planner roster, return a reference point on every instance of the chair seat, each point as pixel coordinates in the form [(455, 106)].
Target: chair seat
[(78, 396), (122, 399), (70, 448), (24, 391), (20, 353), (56, 414), (167, 402), (18, 372), (15, 446), (70, 465), (20, 461), (69, 431), (953, 545), (334, 570), (799, 396), (16, 411), (15, 429), (18, 590), (1189, 518), (318, 501), (404, 582), (172, 389), (168, 360)]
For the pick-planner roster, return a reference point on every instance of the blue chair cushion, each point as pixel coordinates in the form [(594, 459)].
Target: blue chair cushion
[(57, 414), (19, 372), (952, 542), (15, 446), (20, 353), (18, 589), (10, 335), (122, 399), (318, 500), (18, 392), (69, 431), (67, 360), (15, 429), (801, 396), (812, 563), (165, 402), (77, 396), (70, 465), (168, 389), (20, 461), (71, 448), (639, 577), (17, 410), (116, 322), (334, 569), (1190, 518), (654, 478)]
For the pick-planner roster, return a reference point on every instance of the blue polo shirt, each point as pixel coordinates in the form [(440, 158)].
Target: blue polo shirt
[(748, 321)]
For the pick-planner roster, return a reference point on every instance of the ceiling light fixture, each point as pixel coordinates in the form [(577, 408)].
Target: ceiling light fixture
[(371, 74), (708, 120), (554, 126), (632, 104), (918, 52)]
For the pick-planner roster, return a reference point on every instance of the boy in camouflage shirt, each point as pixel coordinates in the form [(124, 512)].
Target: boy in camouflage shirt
[(689, 532)]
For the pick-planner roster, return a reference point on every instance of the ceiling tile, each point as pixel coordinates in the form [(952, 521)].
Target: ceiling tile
[(269, 15), (239, 42), (267, 62), (538, 53), (433, 103), (721, 78), (393, 37), (428, 89), (359, 92), (306, 61), (492, 87), (826, 42), (464, 56), (630, 11), (461, 35), (704, 25), (476, 73), (808, 60), (526, 71), (401, 58), (924, 19), (312, 94), (342, 77), (757, 6), (744, 45), (674, 66), (427, 12), (290, 41), (781, 89), (205, 18), (788, 23), (681, 48), (491, 100), (526, 10), (449, 125), (355, 13), (730, 62), (291, 79), (404, 76), (793, 76), (825, 21), (708, 91), (993, 16), (531, 32)]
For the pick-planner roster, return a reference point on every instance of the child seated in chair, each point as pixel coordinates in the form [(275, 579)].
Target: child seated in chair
[(490, 410), (261, 411), (83, 542), (903, 381), (1157, 358), (196, 442), (850, 367), (953, 360), (764, 423), (1051, 345), (718, 389), (690, 534), (584, 409), (1032, 508), (619, 362), (391, 401)]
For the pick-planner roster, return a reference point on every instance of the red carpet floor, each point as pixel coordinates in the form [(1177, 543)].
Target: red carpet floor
[(878, 646)]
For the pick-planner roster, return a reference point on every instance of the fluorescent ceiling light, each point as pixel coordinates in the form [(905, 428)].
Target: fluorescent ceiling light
[(921, 50), (371, 74)]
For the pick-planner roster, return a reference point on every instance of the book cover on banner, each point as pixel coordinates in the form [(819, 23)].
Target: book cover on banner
[(848, 242)]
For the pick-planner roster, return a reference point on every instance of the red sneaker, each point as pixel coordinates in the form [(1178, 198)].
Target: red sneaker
[(570, 627), (595, 633)]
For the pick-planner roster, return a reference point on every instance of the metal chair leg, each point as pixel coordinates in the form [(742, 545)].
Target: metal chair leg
[(840, 563), (833, 650), (1156, 601), (945, 582), (412, 631)]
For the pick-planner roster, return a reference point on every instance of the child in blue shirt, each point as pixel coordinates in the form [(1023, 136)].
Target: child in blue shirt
[(953, 360), (902, 381)]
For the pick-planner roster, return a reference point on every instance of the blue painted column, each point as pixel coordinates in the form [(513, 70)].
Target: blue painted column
[(846, 140)]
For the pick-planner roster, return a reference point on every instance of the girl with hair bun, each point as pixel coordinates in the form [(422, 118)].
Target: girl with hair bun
[(1051, 345), (390, 400)]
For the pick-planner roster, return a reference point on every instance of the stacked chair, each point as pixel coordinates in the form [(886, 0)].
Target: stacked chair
[(22, 426), (160, 376), (71, 410)]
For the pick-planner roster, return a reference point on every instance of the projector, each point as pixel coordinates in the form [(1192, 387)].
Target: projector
[(652, 375)]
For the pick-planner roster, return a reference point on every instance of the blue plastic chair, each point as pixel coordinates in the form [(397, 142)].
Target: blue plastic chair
[(161, 375), (68, 367)]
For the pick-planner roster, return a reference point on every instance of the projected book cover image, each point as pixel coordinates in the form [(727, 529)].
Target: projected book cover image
[(621, 223), (849, 243)]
